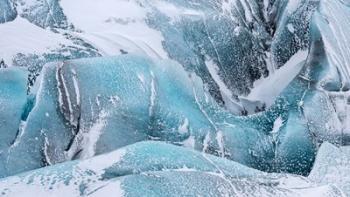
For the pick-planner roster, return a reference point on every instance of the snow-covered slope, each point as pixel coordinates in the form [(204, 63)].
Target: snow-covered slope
[(21, 36), (115, 27)]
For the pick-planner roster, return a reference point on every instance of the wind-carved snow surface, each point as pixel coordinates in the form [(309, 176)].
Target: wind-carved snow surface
[(202, 98), (21, 38), (114, 27)]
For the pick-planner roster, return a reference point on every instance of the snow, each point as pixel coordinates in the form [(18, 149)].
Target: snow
[(226, 7), (220, 139), (175, 12), (99, 163), (76, 86), (96, 13), (247, 12), (112, 188), (46, 146), (93, 135), (266, 9), (290, 28), (267, 89), (293, 5), (190, 142), (226, 93), (19, 188), (141, 77), (153, 95), (276, 128), (112, 26), (322, 191), (206, 143), (183, 128), (22, 37), (277, 125)]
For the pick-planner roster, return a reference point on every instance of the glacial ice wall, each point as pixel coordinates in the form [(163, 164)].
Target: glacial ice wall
[(228, 97)]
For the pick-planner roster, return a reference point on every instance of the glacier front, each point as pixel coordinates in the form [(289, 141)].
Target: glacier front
[(174, 97)]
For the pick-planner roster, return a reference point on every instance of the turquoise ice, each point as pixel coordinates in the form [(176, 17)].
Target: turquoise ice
[(149, 169), (229, 110)]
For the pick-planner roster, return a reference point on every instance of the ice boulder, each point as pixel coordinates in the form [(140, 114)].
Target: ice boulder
[(92, 106), (88, 107)]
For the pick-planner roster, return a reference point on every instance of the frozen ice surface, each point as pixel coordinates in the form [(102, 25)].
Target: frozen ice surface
[(197, 97), (101, 104), (157, 169)]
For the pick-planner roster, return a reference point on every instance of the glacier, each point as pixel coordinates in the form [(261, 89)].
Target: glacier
[(174, 98)]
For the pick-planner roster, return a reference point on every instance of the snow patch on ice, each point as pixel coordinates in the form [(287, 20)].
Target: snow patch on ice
[(190, 142), (113, 188), (247, 11), (76, 86), (226, 93), (220, 141), (277, 125), (92, 136), (99, 163), (292, 5), (290, 28), (184, 127), (153, 95), (267, 89), (206, 143)]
